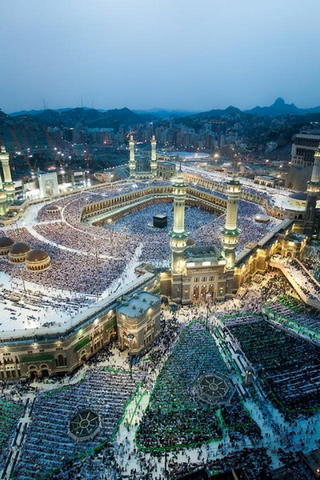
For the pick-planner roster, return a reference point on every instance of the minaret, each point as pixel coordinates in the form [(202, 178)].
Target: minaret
[(3, 199), (132, 161), (311, 222), (230, 230), (153, 163), (178, 241), (8, 183)]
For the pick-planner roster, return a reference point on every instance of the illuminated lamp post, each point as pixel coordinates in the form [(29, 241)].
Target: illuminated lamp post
[(208, 297), (130, 337)]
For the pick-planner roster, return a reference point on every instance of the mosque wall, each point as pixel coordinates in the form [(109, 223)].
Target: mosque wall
[(99, 212), (61, 353), (215, 283)]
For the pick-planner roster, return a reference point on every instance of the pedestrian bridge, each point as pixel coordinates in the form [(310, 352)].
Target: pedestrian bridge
[(299, 278)]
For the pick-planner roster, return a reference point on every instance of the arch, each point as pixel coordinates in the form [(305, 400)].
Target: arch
[(61, 360), (211, 290), (196, 292), (33, 372), (203, 292), (83, 358), (44, 372)]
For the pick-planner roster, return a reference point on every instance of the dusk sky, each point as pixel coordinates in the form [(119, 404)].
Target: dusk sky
[(178, 54)]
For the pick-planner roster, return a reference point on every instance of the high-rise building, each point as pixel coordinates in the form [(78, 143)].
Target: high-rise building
[(312, 215), (8, 183), (68, 134), (304, 145)]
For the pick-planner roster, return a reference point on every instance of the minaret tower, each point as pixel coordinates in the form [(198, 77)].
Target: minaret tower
[(8, 183), (178, 236), (3, 199), (153, 163), (230, 230), (132, 161), (311, 221)]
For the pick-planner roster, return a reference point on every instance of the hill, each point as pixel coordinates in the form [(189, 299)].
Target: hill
[(30, 128), (164, 114), (87, 117), (280, 107)]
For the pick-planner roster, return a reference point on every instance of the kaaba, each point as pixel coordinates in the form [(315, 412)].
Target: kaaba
[(160, 221)]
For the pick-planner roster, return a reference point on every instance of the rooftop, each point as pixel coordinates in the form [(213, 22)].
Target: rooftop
[(138, 304), (6, 242), (36, 255), (298, 196), (200, 252)]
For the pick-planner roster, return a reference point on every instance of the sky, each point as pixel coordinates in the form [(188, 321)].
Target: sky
[(174, 54)]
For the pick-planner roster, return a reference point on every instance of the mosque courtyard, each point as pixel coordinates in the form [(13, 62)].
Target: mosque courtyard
[(89, 263)]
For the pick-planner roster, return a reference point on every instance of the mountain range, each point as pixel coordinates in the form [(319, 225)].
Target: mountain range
[(277, 109), (85, 117), (111, 118), (30, 127)]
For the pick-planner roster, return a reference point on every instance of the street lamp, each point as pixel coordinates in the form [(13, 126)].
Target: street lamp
[(130, 338), (208, 296), (165, 454)]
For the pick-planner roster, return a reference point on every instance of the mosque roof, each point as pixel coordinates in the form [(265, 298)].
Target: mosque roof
[(298, 196), (138, 304), (53, 208), (199, 252), (36, 256), (6, 242), (19, 247)]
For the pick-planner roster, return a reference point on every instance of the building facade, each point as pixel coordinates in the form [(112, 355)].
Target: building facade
[(138, 322), (304, 146), (48, 184), (46, 352)]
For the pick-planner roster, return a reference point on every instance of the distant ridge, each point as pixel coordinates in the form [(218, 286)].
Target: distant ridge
[(229, 113), (86, 117), (165, 114), (280, 107)]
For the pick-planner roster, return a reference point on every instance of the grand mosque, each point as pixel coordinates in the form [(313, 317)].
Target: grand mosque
[(42, 251)]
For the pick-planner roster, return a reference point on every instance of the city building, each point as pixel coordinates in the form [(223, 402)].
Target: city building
[(48, 184), (312, 213), (8, 184), (166, 169), (63, 349), (304, 145)]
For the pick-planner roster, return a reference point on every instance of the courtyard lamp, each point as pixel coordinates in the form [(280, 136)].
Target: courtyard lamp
[(208, 296), (130, 338), (165, 455)]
